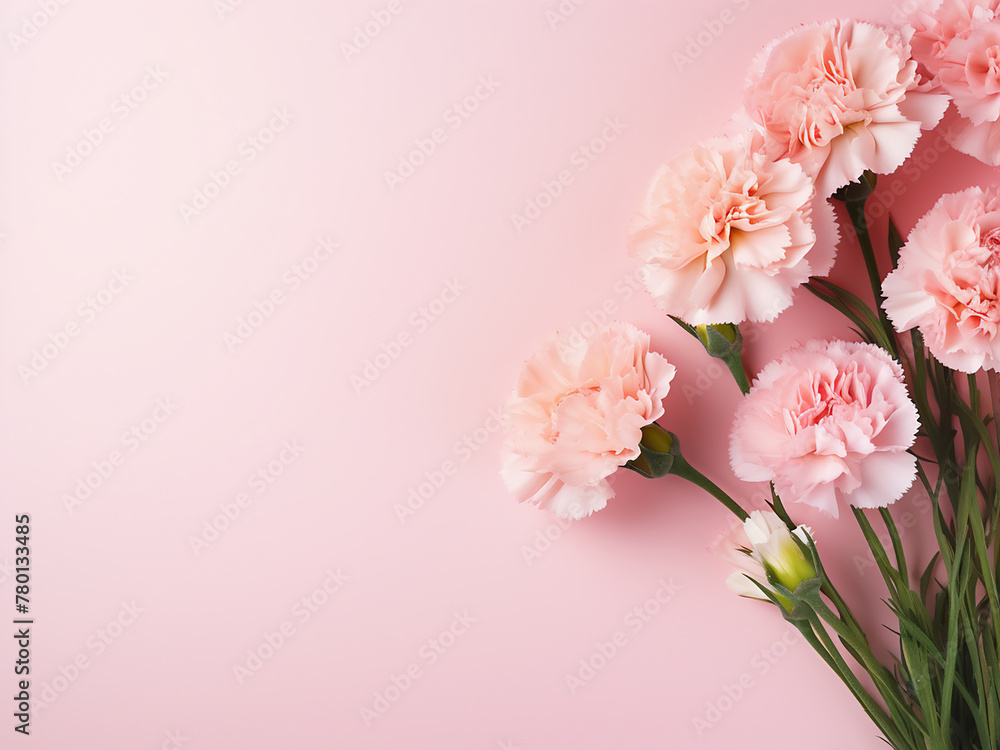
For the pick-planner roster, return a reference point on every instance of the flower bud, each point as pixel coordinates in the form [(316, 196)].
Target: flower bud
[(721, 340), (771, 555), (658, 452)]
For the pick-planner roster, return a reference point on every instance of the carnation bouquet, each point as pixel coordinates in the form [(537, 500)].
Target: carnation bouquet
[(728, 232)]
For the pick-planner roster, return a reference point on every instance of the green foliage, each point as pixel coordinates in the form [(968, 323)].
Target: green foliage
[(943, 692)]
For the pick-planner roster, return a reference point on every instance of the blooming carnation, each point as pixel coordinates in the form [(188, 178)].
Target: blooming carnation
[(958, 44), (726, 234), (828, 421), (839, 98), (577, 415), (948, 283)]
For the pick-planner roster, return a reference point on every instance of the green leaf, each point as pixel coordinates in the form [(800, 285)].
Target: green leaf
[(925, 579), (854, 308), (685, 326), (959, 574), (893, 580), (897, 547)]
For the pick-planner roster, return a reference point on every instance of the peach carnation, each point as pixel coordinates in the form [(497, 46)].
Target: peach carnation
[(958, 44), (725, 234), (840, 97), (577, 414)]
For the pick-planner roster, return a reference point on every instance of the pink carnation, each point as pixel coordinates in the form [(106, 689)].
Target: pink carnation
[(576, 416), (840, 97), (726, 234), (958, 43), (828, 420), (935, 23), (948, 283)]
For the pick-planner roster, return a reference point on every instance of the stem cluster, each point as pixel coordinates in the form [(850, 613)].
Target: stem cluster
[(942, 691)]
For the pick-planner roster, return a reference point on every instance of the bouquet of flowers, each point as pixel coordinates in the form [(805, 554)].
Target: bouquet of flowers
[(726, 234)]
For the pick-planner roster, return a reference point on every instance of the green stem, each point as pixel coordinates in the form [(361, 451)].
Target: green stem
[(843, 610), (871, 707), (856, 211), (897, 547), (857, 640), (735, 365), (779, 509), (885, 681), (841, 669), (684, 470), (994, 378)]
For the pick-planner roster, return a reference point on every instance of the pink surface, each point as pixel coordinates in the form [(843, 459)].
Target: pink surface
[(218, 370)]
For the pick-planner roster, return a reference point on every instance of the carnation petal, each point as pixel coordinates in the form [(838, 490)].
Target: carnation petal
[(885, 477), (926, 108), (981, 142), (824, 224), (579, 502), (742, 585), (823, 497)]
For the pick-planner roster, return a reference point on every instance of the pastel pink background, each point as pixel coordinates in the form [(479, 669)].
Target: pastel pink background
[(167, 679)]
